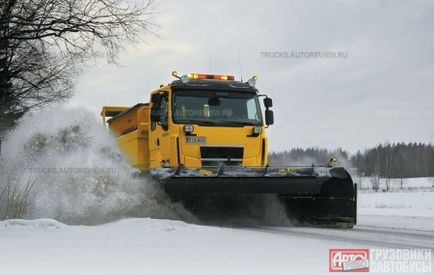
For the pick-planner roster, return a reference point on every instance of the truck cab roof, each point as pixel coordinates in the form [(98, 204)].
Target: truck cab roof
[(213, 84)]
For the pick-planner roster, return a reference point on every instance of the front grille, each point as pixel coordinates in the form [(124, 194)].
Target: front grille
[(215, 155)]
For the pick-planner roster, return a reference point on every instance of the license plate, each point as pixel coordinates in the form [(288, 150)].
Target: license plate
[(195, 140)]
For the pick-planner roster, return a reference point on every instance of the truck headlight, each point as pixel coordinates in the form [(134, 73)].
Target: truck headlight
[(257, 130), (188, 128)]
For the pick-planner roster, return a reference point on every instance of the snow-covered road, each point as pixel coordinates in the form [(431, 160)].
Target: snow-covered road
[(149, 246), (372, 231), (152, 246)]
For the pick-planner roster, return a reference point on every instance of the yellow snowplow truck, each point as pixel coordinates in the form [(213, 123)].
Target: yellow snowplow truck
[(205, 134)]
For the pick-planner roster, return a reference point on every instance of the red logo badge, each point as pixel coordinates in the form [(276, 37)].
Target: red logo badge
[(352, 260)]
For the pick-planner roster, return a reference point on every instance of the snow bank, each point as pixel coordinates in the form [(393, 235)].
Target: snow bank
[(32, 224)]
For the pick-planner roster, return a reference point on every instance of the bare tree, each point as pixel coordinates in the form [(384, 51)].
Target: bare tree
[(375, 181), (43, 43), (388, 164), (402, 183)]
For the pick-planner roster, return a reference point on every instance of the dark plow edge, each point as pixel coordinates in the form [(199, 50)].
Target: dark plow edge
[(329, 201)]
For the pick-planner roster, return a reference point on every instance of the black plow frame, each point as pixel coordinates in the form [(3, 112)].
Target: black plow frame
[(322, 193)]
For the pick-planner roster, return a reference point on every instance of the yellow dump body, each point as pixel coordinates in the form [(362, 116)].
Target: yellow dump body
[(130, 127)]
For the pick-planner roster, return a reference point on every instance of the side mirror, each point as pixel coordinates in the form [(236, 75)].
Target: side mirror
[(268, 102), (269, 117)]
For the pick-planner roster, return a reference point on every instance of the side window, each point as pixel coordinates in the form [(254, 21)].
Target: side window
[(252, 110), (155, 110), (160, 111), (164, 112)]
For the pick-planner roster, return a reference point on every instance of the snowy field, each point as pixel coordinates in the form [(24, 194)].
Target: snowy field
[(410, 204), (415, 200), (153, 246)]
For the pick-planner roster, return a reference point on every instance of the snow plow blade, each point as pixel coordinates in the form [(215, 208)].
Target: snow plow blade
[(323, 195)]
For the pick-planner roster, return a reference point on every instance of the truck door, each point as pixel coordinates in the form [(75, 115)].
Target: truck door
[(159, 142)]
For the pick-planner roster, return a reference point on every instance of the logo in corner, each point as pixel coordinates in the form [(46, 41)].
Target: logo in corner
[(348, 260)]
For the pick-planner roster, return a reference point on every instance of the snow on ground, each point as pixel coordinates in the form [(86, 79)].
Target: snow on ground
[(410, 208), (152, 246), (418, 204)]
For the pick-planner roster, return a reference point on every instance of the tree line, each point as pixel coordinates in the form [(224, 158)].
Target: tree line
[(398, 160)]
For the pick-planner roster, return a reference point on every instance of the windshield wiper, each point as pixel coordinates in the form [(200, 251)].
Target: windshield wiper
[(219, 122), (198, 122), (237, 123)]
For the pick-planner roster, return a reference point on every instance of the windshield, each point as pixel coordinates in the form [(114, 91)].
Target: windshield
[(216, 107)]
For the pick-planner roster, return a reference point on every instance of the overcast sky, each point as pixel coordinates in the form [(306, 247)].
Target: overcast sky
[(383, 91)]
